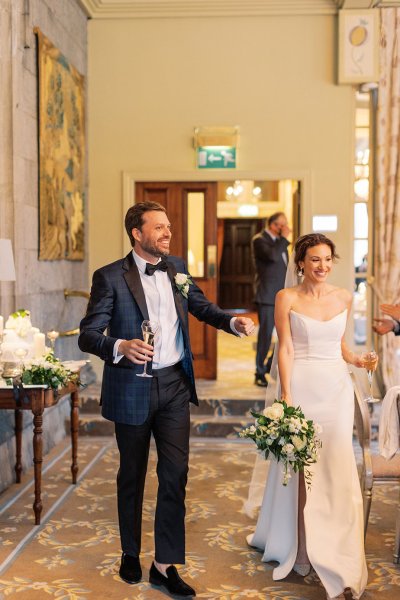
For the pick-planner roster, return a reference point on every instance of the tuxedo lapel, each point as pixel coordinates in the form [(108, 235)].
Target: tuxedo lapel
[(177, 296), (132, 278)]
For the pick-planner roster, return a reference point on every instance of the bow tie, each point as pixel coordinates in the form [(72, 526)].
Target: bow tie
[(160, 266)]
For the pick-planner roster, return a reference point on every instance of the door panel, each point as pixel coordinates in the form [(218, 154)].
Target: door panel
[(237, 268), (183, 201)]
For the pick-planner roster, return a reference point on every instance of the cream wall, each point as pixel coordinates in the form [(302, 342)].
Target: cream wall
[(151, 81)]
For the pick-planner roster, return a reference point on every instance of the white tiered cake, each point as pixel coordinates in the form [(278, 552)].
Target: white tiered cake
[(19, 334)]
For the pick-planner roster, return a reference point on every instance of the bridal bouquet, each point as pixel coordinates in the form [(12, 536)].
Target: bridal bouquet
[(286, 434)]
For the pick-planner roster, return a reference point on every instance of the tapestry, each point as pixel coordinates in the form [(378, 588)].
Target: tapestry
[(61, 155)]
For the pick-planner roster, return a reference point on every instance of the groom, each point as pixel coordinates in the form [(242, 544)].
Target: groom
[(144, 285)]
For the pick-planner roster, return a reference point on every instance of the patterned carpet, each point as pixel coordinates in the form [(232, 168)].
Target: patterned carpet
[(74, 554)]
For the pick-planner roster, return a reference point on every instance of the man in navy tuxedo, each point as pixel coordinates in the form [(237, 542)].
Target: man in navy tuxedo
[(383, 326), (143, 286)]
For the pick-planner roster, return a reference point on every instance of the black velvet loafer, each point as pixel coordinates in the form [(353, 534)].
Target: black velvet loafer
[(130, 570), (173, 583)]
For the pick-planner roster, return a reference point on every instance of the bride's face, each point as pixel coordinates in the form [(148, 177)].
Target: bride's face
[(317, 263)]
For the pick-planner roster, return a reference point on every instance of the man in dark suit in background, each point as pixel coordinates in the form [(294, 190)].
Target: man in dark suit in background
[(271, 258), (150, 284)]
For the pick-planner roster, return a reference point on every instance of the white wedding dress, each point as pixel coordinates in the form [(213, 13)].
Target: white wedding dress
[(333, 514)]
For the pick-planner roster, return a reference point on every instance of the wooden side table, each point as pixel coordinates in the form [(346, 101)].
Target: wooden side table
[(37, 400)]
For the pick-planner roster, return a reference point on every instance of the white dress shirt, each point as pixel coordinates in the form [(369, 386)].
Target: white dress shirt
[(168, 347)]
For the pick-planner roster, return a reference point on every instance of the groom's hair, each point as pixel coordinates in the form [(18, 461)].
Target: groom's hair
[(309, 241), (134, 216)]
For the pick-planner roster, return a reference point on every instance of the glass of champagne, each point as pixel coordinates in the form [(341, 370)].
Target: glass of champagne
[(370, 364), (149, 330)]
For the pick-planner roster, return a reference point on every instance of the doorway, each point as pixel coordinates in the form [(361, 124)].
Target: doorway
[(213, 224)]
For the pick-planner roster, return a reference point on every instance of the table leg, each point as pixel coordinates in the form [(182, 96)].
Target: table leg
[(74, 433), (18, 444), (37, 462)]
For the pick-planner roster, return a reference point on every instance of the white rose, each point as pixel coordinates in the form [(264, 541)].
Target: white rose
[(298, 442), (288, 449), (317, 428), (180, 278), (274, 412)]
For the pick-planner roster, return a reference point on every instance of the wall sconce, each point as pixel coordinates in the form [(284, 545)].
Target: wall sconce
[(216, 147)]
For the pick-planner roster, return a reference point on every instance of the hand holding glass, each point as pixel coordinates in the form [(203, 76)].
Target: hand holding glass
[(149, 331), (370, 363)]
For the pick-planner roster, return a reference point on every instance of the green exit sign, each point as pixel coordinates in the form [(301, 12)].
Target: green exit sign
[(216, 158)]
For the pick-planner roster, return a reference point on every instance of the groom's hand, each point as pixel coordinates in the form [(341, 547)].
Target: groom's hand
[(136, 351), (244, 325)]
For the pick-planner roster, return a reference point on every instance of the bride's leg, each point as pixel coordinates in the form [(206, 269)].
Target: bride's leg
[(301, 558)]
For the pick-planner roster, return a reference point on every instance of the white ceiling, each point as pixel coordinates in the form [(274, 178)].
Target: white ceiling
[(120, 9)]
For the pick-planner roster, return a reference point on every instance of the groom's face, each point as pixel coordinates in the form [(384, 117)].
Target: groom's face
[(154, 237)]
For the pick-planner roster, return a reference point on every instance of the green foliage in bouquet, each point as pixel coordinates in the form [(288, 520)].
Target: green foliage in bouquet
[(48, 371), (21, 312), (283, 432)]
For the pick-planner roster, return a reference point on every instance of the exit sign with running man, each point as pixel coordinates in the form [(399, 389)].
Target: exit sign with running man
[(216, 158)]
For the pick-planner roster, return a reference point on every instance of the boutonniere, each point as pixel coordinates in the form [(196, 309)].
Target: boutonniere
[(182, 282)]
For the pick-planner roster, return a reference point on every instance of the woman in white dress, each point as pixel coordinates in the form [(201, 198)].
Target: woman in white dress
[(321, 527)]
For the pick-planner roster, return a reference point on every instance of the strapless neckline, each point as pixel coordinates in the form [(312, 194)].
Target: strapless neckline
[(319, 320)]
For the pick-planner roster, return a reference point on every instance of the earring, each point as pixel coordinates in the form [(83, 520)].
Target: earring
[(300, 272)]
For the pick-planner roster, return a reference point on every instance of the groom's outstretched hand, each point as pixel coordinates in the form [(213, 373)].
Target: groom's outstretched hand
[(244, 325)]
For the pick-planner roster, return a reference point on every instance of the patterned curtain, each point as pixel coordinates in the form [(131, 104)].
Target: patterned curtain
[(387, 269)]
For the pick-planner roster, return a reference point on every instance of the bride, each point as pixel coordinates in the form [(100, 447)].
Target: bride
[(321, 527)]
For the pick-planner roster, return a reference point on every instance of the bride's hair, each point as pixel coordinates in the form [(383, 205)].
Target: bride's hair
[(309, 241)]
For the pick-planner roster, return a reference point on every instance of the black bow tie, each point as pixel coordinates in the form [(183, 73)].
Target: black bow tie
[(160, 266)]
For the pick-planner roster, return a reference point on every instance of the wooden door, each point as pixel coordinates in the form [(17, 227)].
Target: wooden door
[(237, 267), (192, 211)]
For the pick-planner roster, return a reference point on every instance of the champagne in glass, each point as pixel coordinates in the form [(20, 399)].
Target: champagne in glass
[(370, 364), (149, 331)]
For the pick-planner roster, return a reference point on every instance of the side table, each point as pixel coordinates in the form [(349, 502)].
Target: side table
[(37, 399)]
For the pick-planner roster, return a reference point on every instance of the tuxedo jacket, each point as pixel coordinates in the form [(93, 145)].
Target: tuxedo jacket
[(270, 266), (116, 309)]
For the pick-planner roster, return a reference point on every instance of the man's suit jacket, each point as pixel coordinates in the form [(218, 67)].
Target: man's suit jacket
[(117, 304), (270, 266)]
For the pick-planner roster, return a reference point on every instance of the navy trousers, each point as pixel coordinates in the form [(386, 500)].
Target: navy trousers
[(169, 422)]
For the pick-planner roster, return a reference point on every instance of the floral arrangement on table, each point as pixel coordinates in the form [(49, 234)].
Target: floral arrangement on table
[(283, 432), (49, 371)]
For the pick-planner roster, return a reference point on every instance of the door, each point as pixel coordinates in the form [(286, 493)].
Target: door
[(192, 211), (237, 267)]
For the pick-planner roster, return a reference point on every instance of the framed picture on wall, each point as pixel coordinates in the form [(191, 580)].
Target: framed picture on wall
[(358, 46), (61, 155)]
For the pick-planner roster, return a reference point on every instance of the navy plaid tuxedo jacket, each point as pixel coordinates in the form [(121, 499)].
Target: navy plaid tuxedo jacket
[(117, 306)]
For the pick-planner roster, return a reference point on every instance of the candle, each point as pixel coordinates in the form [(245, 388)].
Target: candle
[(39, 345), (1, 324)]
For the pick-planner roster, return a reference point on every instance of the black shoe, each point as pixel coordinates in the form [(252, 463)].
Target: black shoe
[(260, 380), (173, 583), (130, 570)]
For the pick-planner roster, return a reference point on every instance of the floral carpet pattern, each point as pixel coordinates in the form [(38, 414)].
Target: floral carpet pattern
[(75, 553)]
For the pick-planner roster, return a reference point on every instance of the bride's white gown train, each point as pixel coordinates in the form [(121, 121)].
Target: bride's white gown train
[(333, 514)]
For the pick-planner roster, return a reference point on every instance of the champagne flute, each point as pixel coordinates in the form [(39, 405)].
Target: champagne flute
[(149, 331), (370, 364)]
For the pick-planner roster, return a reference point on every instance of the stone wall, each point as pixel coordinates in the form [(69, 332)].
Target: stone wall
[(40, 284)]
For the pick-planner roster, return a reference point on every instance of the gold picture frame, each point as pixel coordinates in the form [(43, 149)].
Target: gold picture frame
[(61, 154), (358, 46)]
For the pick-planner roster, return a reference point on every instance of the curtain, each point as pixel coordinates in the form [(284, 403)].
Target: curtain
[(387, 263)]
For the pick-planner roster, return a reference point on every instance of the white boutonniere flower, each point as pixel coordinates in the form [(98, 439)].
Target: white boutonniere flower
[(182, 282)]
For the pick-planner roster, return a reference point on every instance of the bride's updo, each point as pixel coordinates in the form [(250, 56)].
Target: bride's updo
[(309, 241)]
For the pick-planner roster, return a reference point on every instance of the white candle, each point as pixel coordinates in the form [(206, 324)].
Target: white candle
[(1, 324), (39, 344)]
